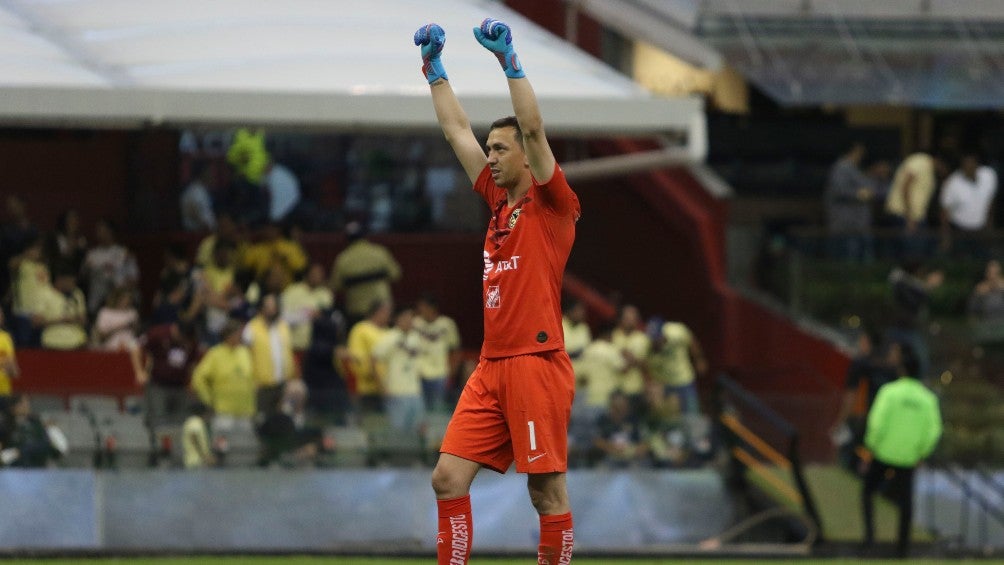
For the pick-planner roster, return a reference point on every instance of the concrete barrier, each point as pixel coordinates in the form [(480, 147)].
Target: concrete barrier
[(340, 510)]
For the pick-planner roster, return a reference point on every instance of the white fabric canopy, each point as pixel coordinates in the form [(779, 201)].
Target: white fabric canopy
[(314, 63)]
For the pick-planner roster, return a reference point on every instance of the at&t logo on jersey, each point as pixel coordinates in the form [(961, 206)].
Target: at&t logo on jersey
[(510, 264)]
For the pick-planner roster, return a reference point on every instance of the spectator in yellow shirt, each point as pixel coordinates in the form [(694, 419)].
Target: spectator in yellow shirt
[(363, 271), (196, 447), (62, 311), (674, 362), (275, 253), (223, 381), (600, 373), (634, 345), (399, 350), (226, 230), (272, 362), (303, 301), (363, 338), (440, 347), (31, 278), (576, 331), (8, 361)]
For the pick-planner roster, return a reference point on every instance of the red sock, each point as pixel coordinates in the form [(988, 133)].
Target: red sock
[(453, 542), (556, 539)]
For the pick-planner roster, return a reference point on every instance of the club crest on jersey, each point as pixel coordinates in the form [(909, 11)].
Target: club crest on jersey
[(513, 217), (493, 298)]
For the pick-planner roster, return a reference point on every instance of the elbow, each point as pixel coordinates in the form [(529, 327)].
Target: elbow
[(454, 131), (532, 128)]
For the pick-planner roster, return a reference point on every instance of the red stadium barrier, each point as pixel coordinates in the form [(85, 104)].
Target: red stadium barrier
[(65, 373)]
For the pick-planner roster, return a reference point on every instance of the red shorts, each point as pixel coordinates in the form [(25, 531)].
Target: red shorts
[(515, 408)]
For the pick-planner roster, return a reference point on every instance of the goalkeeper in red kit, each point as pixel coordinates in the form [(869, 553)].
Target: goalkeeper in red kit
[(516, 404)]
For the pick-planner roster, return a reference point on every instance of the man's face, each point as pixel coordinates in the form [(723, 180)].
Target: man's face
[(65, 283), (270, 308), (23, 408), (222, 257), (233, 339), (426, 311), (506, 158), (969, 166), (630, 318), (315, 276), (103, 234), (577, 313)]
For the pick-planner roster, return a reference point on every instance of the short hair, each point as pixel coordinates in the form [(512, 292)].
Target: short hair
[(231, 326), (110, 224), (265, 296), (224, 244), (509, 122), (428, 298), (64, 219)]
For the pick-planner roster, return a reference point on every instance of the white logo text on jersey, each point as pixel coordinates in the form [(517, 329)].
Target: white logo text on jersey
[(488, 266), (511, 264)]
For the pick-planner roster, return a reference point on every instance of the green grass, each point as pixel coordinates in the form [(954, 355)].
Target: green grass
[(475, 561)]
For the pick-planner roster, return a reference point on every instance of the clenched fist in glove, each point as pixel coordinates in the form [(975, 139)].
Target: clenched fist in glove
[(431, 38), (496, 37)]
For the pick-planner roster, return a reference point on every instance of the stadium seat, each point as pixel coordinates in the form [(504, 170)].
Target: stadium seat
[(81, 435), (395, 447), (351, 446), (168, 443), (243, 449), (94, 403), (134, 404), (47, 403), (127, 438), (435, 429)]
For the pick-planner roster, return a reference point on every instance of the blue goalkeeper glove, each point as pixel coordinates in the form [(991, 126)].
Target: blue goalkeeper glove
[(496, 37), (432, 38)]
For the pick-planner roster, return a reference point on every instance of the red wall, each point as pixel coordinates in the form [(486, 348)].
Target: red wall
[(64, 373), (550, 14), (100, 173)]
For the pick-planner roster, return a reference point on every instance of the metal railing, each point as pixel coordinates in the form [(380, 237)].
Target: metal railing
[(751, 451), (976, 508)]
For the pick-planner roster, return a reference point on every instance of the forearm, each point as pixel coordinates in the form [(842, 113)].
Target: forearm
[(450, 114)]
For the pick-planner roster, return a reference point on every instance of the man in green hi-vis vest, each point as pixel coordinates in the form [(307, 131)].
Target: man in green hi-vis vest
[(904, 425)]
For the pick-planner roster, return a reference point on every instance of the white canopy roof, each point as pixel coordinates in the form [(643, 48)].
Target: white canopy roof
[(335, 64)]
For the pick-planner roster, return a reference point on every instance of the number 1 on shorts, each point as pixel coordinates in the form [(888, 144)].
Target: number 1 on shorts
[(533, 436)]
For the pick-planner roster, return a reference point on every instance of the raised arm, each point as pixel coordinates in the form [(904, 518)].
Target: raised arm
[(497, 38), (452, 118)]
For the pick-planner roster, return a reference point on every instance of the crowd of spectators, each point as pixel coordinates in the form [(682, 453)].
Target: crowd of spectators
[(636, 400), (931, 202), (245, 335)]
